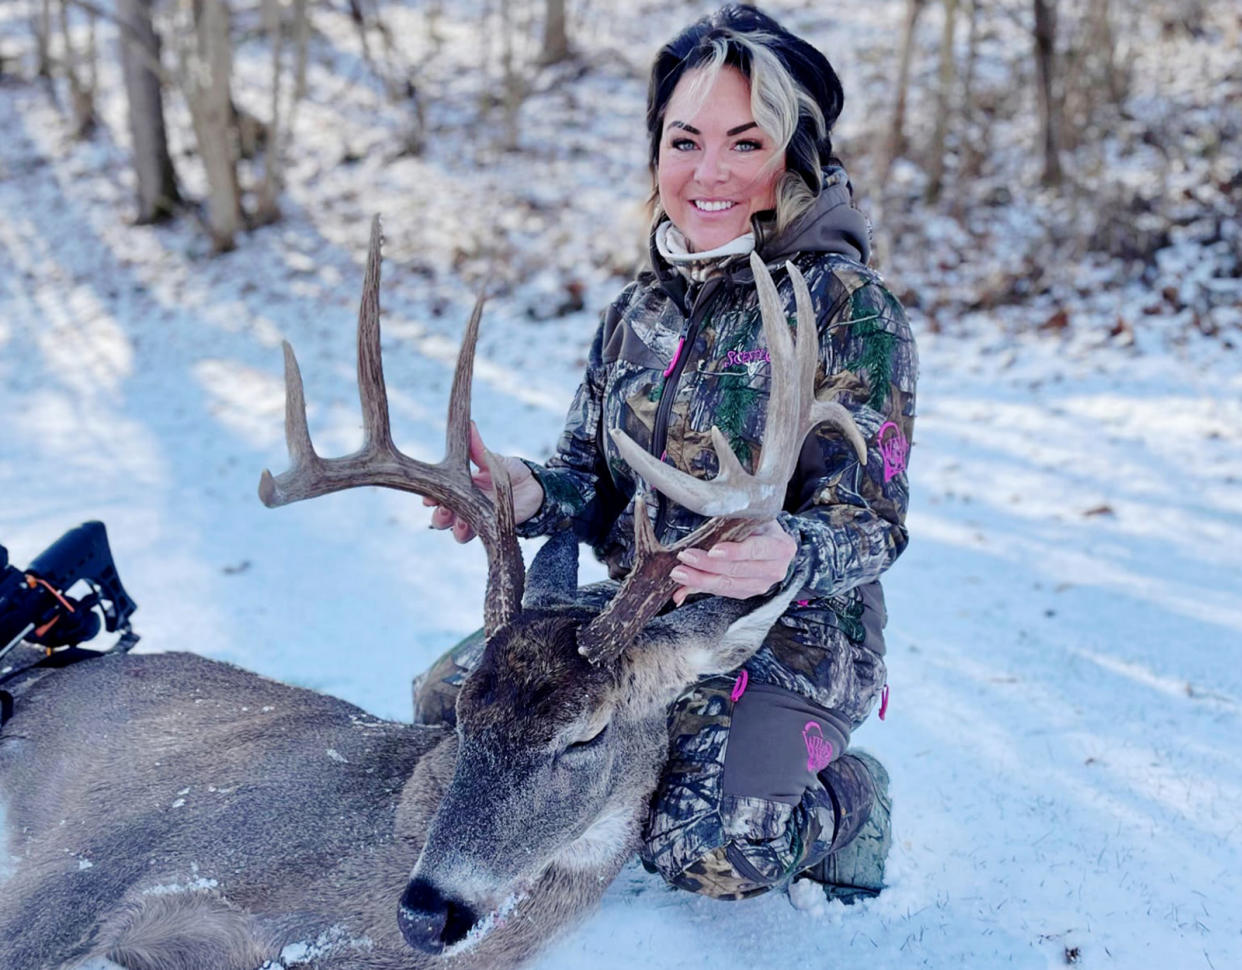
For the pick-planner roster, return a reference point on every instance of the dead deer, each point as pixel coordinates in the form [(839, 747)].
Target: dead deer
[(169, 811)]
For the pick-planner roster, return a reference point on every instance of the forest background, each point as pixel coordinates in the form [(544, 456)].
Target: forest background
[(1055, 191)]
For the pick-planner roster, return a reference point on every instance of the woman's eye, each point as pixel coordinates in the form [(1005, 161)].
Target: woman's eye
[(748, 145), (682, 145)]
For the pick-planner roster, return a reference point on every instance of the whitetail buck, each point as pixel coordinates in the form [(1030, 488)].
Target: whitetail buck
[(171, 812)]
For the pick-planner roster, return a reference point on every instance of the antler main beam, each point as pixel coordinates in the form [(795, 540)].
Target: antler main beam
[(378, 462), (736, 501)]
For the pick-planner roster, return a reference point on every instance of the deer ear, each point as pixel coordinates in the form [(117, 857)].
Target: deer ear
[(709, 636), (553, 575)]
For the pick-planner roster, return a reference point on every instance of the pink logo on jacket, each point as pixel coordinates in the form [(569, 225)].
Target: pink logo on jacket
[(735, 357), (818, 747), (895, 449)]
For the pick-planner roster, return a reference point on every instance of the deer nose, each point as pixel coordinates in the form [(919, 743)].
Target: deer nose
[(431, 920)]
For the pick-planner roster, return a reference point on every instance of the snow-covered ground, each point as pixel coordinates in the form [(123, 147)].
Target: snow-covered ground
[(1066, 626)]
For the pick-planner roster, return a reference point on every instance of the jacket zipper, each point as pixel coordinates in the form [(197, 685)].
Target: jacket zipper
[(659, 434)]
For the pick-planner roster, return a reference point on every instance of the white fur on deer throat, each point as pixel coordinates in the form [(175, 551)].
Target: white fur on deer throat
[(613, 832)]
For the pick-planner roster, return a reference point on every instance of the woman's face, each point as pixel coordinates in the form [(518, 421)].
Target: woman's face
[(712, 171)]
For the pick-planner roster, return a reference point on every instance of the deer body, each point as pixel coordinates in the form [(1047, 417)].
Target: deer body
[(176, 813), (250, 816), (167, 807), (242, 797)]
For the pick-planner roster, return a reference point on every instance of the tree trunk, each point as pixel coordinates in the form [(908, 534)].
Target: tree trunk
[(1045, 72), (140, 45), (944, 101), (301, 45), (555, 39), (267, 208), (81, 87), (41, 22), (205, 77), (972, 152), (511, 78), (896, 142)]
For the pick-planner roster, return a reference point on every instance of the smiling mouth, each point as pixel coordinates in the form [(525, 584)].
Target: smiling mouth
[(713, 205)]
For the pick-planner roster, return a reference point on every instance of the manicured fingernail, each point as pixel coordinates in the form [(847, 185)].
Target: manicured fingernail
[(679, 575), (716, 553), (687, 555)]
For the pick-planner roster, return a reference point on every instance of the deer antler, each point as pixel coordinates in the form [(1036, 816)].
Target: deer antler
[(378, 462), (737, 500)]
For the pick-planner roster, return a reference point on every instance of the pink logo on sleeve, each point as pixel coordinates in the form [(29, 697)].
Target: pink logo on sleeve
[(895, 449), (818, 748)]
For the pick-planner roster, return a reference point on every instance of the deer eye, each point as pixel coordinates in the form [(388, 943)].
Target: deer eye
[(586, 744)]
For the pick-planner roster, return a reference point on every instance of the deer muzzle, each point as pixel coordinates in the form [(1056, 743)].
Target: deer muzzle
[(430, 920)]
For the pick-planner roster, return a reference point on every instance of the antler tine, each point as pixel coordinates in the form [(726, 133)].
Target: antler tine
[(736, 501), (457, 427), (297, 437), (378, 462), (821, 412), (372, 392)]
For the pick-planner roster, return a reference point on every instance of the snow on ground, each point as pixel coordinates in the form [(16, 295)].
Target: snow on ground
[(1065, 626)]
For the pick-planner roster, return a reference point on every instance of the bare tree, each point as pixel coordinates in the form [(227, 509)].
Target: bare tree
[(81, 71), (895, 144), (555, 36), (1093, 79), (394, 70), (513, 81), (139, 46), (1045, 36), (205, 70), (267, 206), (972, 150), (301, 46), (41, 24), (944, 101), (280, 126)]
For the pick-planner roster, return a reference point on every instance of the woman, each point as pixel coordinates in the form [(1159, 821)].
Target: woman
[(739, 113)]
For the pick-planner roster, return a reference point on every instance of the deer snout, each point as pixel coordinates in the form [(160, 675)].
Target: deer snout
[(430, 920)]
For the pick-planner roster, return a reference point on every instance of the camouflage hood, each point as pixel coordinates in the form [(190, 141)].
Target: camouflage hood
[(832, 225)]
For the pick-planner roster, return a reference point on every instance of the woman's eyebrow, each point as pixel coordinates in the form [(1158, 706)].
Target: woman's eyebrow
[(730, 133)]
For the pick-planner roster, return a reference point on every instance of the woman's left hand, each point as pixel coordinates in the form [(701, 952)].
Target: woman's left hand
[(736, 569)]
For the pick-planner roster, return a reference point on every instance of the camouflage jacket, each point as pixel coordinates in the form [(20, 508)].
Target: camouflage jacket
[(670, 359)]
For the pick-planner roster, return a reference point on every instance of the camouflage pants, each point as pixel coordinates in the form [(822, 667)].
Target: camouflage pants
[(751, 794)]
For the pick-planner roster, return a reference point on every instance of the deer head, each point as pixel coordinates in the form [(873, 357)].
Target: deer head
[(561, 727)]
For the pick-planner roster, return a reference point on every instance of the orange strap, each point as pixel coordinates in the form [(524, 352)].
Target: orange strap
[(33, 581)]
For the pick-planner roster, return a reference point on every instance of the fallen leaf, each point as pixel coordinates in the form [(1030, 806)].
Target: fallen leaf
[(1058, 321)]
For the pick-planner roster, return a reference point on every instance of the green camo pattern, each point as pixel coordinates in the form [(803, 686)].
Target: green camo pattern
[(848, 517)]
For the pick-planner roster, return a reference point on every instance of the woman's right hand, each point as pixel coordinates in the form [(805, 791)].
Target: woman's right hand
[(527, 492)]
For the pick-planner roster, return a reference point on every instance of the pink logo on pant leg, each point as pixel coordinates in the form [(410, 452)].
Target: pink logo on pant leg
[(818, 748), (894, 447)]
